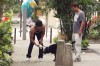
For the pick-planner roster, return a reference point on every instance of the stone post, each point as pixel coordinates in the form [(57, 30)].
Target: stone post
[(67, 58), (63, 55)]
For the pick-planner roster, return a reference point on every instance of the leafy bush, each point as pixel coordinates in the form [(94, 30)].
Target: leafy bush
[(55, 39), (9, 14), (15, 22), (85, 43), (94, 33), (6, 48)]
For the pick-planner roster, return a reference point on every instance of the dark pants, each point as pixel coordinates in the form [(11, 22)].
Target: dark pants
[(31, 46)]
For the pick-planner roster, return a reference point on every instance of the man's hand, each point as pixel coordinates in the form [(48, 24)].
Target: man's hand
[(37, 45), (40, 41), (80, 33), (81, 28)]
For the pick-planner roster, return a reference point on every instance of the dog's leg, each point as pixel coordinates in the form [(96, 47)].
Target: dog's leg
[(55, 57)]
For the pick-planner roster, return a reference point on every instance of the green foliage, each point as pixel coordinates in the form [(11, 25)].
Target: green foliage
[(17, 8), (85, 43), (9, 13), (55, 39), (6, 48), (6, 4), (37, 1), (15, 22), (95, 33)]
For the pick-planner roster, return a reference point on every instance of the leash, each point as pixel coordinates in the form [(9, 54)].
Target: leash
[(41, 45)]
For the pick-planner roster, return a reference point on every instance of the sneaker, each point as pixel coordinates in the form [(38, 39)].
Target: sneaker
[(40, 59), (27, 59), (77, 60)]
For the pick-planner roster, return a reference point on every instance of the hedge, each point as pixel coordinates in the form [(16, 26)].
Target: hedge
[(6, 47)]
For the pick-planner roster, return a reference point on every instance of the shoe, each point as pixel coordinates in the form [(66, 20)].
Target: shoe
[(27, 59), (40, 59), (54, 60), (77, 60)]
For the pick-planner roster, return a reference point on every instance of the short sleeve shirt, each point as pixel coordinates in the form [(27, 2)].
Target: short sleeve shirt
[(78, 18)]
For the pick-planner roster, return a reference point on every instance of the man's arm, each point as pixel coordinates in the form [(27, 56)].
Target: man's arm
[(82, 26), (43, 33), (31, 36), (82, 20)]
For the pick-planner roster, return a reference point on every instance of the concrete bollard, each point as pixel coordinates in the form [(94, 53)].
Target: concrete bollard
[(15, 36), (63, 55), (59, 53), (67, 58)]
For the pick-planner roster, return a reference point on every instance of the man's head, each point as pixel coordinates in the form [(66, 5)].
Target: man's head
[(75, 7), (38, 25)]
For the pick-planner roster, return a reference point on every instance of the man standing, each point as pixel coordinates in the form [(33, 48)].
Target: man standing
[(39, 31), (78, 29)]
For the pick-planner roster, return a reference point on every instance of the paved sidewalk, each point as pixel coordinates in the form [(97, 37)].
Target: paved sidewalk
[(90, 57)]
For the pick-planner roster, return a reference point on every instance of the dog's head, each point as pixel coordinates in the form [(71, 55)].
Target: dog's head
[(46, 50), (73, 42)]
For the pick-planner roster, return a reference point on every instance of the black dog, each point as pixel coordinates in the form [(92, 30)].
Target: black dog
[(51, 49)]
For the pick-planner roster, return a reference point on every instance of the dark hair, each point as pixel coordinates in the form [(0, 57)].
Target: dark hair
[(38, 23), (74, 5)]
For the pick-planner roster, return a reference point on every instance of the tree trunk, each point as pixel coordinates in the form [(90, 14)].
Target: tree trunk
[(1, 14)]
